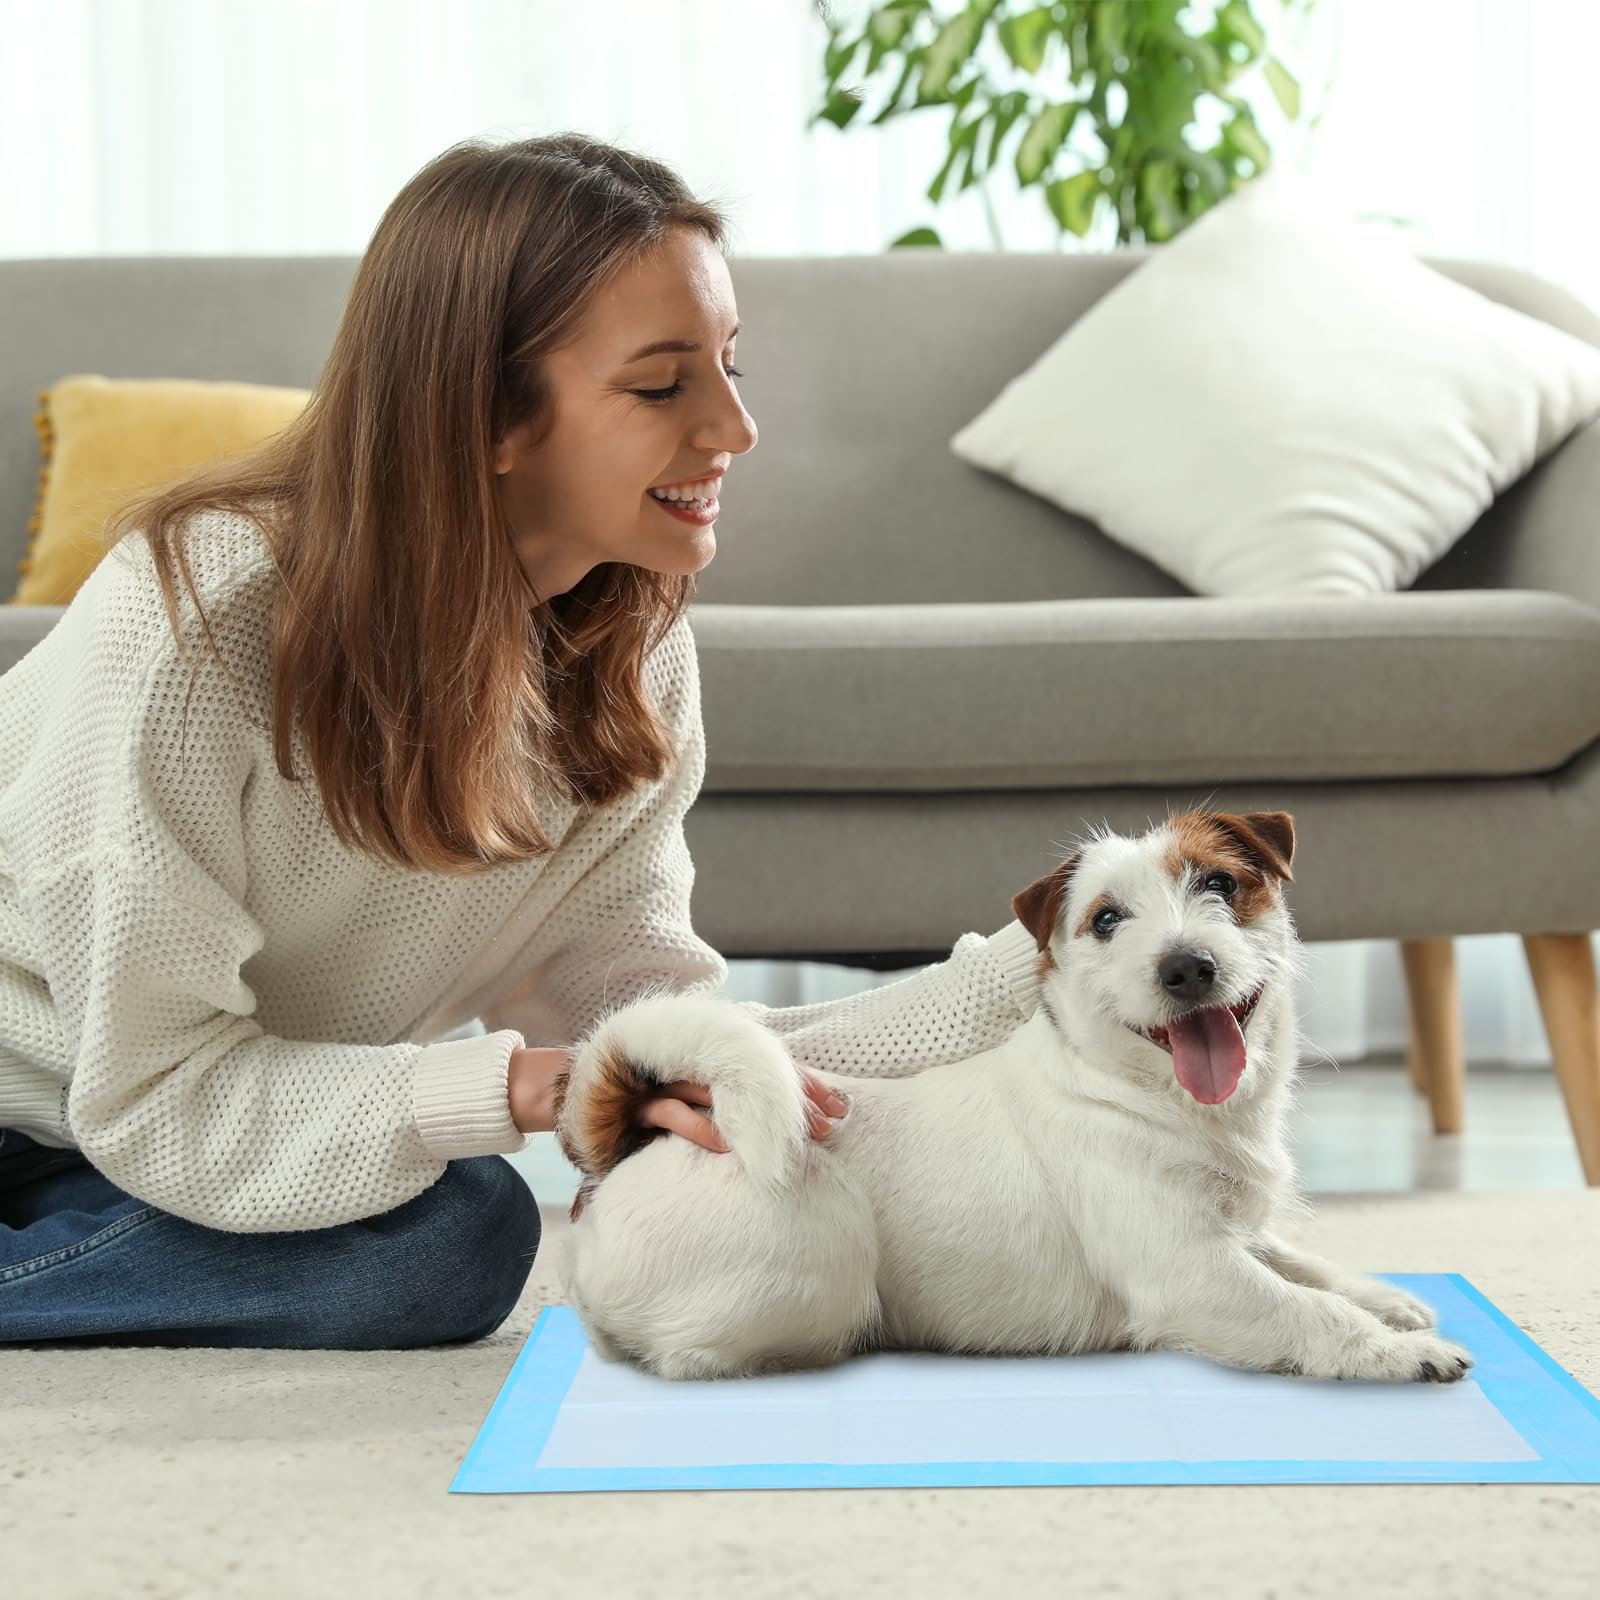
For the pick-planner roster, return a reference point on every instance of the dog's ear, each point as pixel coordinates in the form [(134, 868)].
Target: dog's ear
[(1038, 907), (1267, 837)]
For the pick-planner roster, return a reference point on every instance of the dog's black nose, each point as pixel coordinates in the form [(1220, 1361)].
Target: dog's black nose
[(1187, 974)]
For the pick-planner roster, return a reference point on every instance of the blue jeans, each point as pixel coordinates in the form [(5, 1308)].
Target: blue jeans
[(81, 1260)]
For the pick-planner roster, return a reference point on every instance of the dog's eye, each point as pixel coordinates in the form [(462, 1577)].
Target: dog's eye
[(1223, 883), (1105, 922)]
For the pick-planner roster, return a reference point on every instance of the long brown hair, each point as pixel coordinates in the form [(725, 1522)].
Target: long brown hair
[(436, 694)]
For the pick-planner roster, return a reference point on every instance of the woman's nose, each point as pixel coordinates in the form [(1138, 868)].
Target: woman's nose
[(732, 429)]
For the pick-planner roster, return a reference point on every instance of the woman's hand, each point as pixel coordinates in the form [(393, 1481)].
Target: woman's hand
[(678, 1109)]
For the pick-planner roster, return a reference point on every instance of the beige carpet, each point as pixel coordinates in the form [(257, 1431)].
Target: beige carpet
[(217, 1474)]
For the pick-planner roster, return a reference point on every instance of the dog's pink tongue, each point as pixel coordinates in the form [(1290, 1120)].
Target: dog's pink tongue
[(1207, 1053)]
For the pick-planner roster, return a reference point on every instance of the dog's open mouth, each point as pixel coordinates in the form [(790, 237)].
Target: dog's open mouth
[(1207, 1048)]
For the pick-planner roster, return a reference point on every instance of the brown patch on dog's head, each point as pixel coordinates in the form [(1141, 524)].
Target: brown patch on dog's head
[(1038, 907), (1256, 847), (608, 1131)]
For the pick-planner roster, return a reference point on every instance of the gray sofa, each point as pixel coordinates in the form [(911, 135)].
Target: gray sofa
[(918, 677), (919, 680)]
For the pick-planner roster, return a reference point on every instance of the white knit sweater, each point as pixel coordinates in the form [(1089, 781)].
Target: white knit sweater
[(230, 1013)]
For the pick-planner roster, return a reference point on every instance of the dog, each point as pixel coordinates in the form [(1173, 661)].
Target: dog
[(1114, 1176)]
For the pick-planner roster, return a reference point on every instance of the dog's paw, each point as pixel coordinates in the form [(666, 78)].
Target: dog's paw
[(1394, 1306), (1414, 1357)]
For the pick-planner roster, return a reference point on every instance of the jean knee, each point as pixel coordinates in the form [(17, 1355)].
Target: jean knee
[(499, 1235), (469, 1254)]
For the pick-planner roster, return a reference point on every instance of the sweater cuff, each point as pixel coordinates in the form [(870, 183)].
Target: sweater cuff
[(460, 1097), (1017, 952)]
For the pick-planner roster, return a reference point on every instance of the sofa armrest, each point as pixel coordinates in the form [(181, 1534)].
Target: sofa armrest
[(1544, 531), (21, 628)]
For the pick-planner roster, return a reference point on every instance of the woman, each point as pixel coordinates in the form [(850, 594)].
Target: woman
[(389, 726)]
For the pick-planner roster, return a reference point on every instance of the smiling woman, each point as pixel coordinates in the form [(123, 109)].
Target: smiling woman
[(418, 752), (412, 579)]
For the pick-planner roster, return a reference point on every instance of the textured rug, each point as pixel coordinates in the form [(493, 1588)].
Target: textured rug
[(281, 1474)]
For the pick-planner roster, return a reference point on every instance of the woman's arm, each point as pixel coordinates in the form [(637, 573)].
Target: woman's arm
[(623, 930), (181, 1097), (959, 1007)]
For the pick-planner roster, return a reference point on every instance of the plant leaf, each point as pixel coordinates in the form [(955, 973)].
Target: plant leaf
[(1108, 28), (1236, 23), (1159, 187), (1285, 88), (1003, 115), (840, 107), (963, 136), (1072, 200), (1046, 134), (925, 238), (1203, 57), (1245, 137), (1025, 37), (892, 106), (838, 56), (886, 28), (951, 47)]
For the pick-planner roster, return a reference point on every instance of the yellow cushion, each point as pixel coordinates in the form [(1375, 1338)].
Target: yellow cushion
[(106, 439)]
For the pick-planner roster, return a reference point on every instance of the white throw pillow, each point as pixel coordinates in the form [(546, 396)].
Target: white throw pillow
[(1283, 402)]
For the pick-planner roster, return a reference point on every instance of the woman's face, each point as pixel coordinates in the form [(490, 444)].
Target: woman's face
[(583, 496)]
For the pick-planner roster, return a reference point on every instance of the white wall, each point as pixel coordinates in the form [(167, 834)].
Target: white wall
[(285, 126)]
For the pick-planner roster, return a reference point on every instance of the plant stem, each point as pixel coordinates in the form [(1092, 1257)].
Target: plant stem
[(988, 211)]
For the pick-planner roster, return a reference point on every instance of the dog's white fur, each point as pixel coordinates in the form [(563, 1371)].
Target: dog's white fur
[(1059, 1193)]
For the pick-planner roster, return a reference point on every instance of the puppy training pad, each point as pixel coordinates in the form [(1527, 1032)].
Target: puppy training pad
[(565, 1420)]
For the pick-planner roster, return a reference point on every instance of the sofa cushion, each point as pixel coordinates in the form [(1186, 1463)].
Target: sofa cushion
[(105, 440), (1282, 402), (1060, 694)]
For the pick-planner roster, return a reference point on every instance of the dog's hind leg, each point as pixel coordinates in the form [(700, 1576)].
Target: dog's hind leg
[(692, 1365), (694, 1270)]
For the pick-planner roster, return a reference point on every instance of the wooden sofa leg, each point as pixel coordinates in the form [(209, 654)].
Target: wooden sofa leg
[(1562, 965), (1414, 1064), (1438, 1055)]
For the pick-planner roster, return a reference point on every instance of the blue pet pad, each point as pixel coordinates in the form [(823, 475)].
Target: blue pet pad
[(565, 1420)]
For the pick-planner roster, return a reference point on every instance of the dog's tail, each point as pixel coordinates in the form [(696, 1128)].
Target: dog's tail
[(757, 1099)]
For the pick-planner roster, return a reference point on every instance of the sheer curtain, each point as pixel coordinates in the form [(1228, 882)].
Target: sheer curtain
[(285, 126)]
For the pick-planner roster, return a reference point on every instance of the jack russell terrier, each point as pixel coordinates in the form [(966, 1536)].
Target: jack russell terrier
[(1114, 1176)]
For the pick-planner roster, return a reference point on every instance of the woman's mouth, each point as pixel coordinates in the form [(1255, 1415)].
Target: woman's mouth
[(700, 512), (694, 503)]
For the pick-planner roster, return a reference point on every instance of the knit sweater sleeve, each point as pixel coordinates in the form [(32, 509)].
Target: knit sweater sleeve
[(623, 929), (959, 1007), (177, 1092)]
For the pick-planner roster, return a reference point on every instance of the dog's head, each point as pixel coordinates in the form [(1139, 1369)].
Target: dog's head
[(1175, 944)]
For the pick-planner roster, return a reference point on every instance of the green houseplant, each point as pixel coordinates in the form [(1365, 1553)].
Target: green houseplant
[(1018, 80)]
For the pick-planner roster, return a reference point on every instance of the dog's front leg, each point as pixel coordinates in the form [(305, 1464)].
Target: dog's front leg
[(1217, 1299), (1387, 1303)]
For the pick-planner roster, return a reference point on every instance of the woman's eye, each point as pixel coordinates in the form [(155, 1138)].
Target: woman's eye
[(658, 397), (1105, 922), (1223, 883)]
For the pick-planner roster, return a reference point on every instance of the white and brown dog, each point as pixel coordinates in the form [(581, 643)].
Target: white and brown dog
[(1114, 1175)]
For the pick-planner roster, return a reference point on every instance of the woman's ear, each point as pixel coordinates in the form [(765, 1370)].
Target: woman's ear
[(511, 444)]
